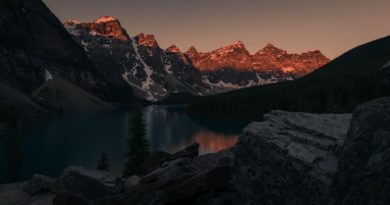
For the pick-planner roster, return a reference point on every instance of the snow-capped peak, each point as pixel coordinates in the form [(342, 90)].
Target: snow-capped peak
[(104, 19)]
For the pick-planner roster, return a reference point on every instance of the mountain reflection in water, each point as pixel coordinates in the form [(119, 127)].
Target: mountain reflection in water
[(50, 145)]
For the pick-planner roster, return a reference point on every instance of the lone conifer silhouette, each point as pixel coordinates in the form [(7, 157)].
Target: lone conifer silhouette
[(137, 144)]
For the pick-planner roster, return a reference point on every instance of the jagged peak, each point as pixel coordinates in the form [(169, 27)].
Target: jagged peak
[(236, 44), (192, 49), (104, 19), (98, 27), (270, 48), (270, 45), (71, 22), (173, 49), (315, 51), (146, 40), (239, 44)]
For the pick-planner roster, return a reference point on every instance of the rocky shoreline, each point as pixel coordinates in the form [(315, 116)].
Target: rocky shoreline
[(289, 158)]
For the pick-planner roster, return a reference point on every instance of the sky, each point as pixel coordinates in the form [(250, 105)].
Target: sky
[(332, 26)]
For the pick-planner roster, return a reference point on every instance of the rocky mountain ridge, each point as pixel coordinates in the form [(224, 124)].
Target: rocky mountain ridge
[(136, 64), (269, 59), (33, 42), (154, 73)]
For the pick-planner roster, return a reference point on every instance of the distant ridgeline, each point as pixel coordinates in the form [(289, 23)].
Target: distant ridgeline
[(337, 87)]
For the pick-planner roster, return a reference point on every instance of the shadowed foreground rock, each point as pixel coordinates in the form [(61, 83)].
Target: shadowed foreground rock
[(289, 158), (364, 176), (385, 71), (181, 179), (157, 158)]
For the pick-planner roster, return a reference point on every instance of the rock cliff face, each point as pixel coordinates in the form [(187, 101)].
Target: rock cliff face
[(289, 158), (33, 40), (106, 26)]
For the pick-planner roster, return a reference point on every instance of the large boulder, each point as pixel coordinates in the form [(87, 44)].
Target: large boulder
[(158, 158), (69, 197), (289, 158), (93, 185), (15, 194), (364, 175), (41, 184), (181, 180)]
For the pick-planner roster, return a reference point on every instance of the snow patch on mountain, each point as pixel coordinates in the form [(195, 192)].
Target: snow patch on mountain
[(48, 75), (149, 86), (85, 45)]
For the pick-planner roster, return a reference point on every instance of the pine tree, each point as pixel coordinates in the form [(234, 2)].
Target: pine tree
[(137, 144), (103, 163)]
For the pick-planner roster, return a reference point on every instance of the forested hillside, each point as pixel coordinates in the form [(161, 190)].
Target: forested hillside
[(337, 87)]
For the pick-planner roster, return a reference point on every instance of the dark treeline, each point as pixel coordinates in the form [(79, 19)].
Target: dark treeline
[(12, 145), (338, 87)]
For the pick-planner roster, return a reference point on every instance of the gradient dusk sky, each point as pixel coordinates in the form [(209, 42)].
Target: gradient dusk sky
[(332, 26)]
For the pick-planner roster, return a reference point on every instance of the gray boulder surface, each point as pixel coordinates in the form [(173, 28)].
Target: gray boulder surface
[(181, 179), (91, 184), (41, 184), (289, 158)]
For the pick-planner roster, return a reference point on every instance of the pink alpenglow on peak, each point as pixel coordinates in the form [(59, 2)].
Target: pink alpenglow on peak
[(105, 19), (147, 40), (71, 23), (268, 59), (173, 49), (107, 26)]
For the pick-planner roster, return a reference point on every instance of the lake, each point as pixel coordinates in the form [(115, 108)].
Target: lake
[(50, 145)]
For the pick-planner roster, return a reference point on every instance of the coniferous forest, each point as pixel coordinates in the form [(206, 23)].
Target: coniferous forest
[(338, 87)]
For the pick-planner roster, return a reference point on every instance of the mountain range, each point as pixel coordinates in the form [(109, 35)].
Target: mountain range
[(49, 66), (353, 78), (154, 73)]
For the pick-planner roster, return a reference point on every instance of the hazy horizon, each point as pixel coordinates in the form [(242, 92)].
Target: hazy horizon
[(296, 26)]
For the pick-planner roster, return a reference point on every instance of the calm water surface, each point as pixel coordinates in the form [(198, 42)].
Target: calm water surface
[(50, 145)]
